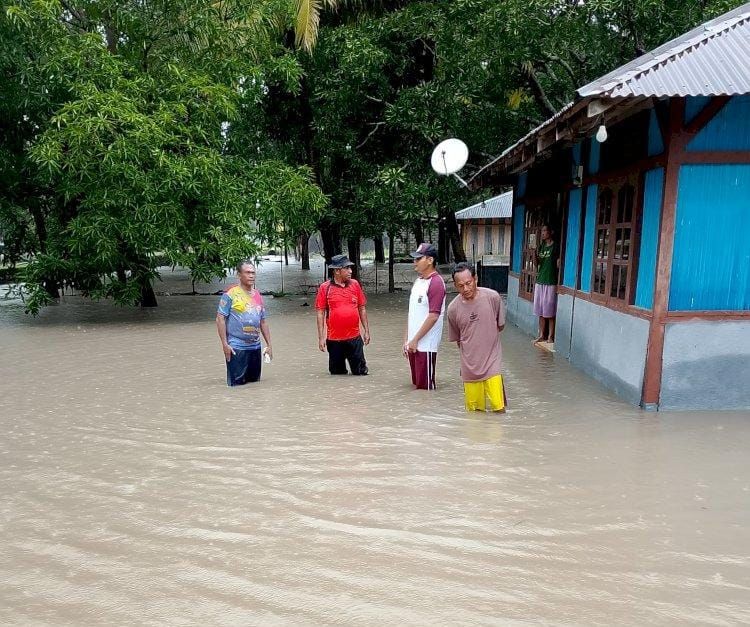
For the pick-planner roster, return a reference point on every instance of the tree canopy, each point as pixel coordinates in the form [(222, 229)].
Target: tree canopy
[(197, 131)]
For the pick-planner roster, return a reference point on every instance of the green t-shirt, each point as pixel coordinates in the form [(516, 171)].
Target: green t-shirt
[(547, 270)]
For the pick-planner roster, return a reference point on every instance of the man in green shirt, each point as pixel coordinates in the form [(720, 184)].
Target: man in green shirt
[(545, 289)]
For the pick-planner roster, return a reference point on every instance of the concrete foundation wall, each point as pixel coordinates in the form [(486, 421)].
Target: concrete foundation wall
[(611, 346), (706, 365), (606, 344), (520, 311)]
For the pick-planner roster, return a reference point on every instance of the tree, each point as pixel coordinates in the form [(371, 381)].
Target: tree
[(132, 152)]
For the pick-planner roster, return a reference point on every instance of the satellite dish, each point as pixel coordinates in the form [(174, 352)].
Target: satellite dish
[(449, 156)]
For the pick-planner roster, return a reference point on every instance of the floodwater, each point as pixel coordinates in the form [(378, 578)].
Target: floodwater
[(136, 488)]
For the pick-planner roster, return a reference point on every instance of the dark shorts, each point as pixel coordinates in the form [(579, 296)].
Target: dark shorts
[(244, 367), (341, 351), (422, 367)]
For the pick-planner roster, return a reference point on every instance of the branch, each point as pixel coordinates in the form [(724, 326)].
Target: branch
[(376, 126), (538, 91), (79, 15), (563, 63)]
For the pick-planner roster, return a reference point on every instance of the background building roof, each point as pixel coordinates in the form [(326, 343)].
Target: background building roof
[(498, 207)]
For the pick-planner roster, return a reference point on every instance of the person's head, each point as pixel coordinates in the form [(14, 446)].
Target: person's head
[(546, 232), (246, 273), (341, 268), (425, 259), (464, 278)]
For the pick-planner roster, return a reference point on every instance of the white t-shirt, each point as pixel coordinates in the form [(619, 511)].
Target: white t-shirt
[(427, 295)]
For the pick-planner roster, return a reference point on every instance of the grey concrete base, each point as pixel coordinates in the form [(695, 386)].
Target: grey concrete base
[(608, 345), (520, 311), (706, 365), (605, 344)]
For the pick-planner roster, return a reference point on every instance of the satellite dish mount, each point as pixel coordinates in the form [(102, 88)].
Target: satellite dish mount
[(449, 157)]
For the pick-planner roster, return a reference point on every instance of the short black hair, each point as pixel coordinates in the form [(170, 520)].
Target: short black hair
[(461, 266), (244, 262)]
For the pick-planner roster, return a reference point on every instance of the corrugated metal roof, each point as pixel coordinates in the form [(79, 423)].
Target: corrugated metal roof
[(710, 60), (498, 207)]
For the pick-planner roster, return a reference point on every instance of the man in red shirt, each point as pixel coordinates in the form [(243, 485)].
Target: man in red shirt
[(340, 305)]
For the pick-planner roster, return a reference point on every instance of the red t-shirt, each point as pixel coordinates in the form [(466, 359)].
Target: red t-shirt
[(343, 303)]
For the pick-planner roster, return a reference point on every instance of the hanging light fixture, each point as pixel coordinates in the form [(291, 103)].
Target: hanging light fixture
[(601, 134)]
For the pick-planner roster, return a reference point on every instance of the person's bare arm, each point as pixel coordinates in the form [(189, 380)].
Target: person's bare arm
[(265, 329), (221, 327), (428, 323), (365, 324), (321, 329)]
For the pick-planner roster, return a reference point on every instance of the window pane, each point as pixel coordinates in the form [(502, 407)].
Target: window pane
[(618, 243), (615, 281), (626, 244), (601, 248), (600, 278)]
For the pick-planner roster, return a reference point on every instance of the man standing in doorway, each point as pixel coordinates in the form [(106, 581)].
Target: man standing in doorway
[(340, 306), (425, 324), (475, 317), (241, 320), (545, 289)]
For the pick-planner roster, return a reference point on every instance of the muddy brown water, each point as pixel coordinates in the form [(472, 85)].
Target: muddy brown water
[(136, 488)]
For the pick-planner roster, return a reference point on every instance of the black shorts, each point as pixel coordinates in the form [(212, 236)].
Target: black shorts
[(341, 351), (244, 367)]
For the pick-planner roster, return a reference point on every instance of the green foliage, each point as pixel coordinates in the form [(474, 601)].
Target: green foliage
[(198, 131), (388, 80), (129, 108)]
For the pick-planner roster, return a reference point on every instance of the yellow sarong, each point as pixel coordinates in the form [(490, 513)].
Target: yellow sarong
[(488, 395)]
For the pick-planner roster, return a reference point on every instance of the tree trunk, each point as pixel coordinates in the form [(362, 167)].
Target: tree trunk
[(418, 231), (391, 257), (454, 236), (379, 250), (353, 248), (51, 285), (148, 296), (331, 235), (304, 248), (442, 243)]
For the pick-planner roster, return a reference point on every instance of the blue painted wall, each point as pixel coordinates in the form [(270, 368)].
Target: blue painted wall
[(594, 152), (711, 262), (577, 153), (655, 141), (572, 238), (588, 238), (519, 216), (728, 130), (521, 187), (653, 189), (694, 105)]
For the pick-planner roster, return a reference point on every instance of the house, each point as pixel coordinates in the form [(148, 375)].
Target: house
[(485, 227), (654, 281)]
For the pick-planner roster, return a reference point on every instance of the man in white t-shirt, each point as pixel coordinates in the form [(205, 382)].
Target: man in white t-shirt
[(426, 311)]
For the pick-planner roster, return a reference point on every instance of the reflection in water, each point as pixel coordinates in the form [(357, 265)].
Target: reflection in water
[(137, 488)]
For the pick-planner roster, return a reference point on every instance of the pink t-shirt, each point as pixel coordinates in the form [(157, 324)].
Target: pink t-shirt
[(475, 325)]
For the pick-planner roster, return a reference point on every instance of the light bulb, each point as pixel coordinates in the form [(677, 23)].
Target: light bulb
[(601, 134)]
